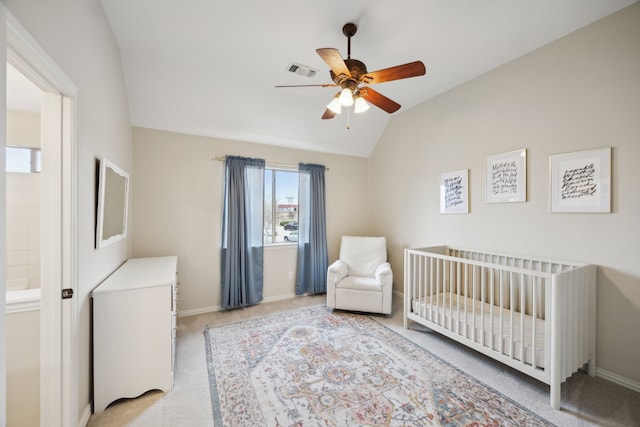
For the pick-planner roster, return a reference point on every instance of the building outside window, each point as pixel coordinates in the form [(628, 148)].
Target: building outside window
[(280, 206)]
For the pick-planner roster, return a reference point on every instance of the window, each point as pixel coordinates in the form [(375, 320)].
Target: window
[(280, 206), (23, 159)]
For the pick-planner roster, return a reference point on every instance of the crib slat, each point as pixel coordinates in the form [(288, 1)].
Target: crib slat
[(556, 344), (429, 292), (567, 295), (415, 282), (442, 295), (491, 314), (523, 295), (442, 290), (420, 277), (572, 326), (482, 296), (502, 286), (458, 297), (511, 302), (534, 314), (450, 281), (473, 302), (466, 305), (565, 292), (426, 272), (582, 322)]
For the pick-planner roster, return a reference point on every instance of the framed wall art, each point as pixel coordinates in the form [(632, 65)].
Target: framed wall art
[(454, 192), (506, 179), (581, 181)]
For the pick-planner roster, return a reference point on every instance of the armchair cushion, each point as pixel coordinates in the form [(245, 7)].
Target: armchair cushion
[(360, 283), (363, 254)]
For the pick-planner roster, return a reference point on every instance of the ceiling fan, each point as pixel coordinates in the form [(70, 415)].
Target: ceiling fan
[(349, 74)]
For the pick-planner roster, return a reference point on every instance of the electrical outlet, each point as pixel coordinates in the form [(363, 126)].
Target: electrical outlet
[(291, 275)]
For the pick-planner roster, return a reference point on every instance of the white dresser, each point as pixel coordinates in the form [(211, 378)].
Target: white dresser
[(134, 330)]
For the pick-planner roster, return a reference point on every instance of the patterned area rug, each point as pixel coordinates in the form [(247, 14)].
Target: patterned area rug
[(314, 367)]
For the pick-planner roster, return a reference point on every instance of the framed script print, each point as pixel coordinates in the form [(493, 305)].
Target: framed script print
[(581, 181), (506, 179), (454, 192)]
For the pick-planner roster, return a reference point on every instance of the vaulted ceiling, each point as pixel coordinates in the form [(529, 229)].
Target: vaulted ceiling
[(210, 67)]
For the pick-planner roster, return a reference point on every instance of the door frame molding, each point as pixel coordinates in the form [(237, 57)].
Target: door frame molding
[(58, 318)]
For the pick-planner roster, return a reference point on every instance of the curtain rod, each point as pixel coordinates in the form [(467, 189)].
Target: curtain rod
[(272, 165)]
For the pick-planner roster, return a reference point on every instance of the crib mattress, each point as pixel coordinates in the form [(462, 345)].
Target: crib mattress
[(485, 325)]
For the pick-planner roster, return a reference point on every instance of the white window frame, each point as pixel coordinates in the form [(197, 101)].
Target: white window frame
[(276, 168)]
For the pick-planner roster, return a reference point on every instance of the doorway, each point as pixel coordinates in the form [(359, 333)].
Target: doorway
[(24, 211), (58, 252)]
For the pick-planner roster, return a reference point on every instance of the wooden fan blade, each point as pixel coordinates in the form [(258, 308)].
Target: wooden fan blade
[(379, 100), (322, 85), (334, 60), (412, 69), (328, 114)]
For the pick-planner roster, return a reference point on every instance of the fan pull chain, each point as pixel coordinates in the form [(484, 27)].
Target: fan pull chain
[(348, 118)]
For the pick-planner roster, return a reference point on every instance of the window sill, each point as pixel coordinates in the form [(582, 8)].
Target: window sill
[(281, 246)]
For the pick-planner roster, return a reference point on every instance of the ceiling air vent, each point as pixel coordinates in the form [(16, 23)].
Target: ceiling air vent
[(301, 70)]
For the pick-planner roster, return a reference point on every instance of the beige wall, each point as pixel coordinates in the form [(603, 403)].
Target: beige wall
[(177, 205), (23, 128), (578, 93), (77, 36)]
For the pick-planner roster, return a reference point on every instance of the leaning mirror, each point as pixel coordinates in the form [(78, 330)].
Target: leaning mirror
[(113, 196)]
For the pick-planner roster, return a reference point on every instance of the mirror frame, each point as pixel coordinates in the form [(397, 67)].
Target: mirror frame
[(102, 219)]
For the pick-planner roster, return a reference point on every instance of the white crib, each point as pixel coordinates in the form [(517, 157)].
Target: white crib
[(535, 315)]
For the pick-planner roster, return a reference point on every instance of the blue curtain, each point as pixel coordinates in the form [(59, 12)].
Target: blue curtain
[(313, 256), (242, 246)]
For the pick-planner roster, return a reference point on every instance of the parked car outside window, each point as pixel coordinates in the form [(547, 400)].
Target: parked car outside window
[(291, 237), (293, 225)]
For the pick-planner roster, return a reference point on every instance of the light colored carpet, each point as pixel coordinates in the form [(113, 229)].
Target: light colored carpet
[(585, 401), (318, 367)]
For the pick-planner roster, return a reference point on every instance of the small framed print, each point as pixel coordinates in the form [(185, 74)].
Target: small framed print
[(454, 192), (506, 179), (581, 181)]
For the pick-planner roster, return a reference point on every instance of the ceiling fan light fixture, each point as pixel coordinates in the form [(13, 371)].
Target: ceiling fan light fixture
[(360, 105), (335, 105), (346, 97), (348, 74)]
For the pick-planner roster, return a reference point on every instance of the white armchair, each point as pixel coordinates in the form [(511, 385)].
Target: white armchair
[(361, 280)]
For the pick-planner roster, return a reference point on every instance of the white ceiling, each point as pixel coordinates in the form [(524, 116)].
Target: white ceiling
[(209, 67)]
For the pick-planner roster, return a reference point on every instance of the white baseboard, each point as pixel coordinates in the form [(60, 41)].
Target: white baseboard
[(212, 309), (618, 379), (196, 311), (86, 414), (279, 298)]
